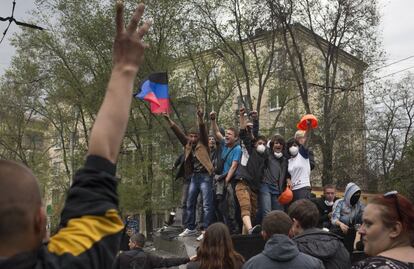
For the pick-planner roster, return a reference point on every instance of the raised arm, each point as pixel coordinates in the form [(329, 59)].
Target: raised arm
[(157, 262), (255, 120), (90, 226), (177, 131), (243, 134), (128, 54), (242, 118), (308, 134), (202, 127), (214, 127)]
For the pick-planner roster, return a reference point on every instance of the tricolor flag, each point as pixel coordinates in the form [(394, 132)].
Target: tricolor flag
[(154, 89)]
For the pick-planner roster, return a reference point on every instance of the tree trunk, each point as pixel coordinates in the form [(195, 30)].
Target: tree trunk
[(327, 161), (148, 222)]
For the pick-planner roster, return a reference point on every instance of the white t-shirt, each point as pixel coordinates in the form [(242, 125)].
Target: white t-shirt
[(245, 156), (299, 169)]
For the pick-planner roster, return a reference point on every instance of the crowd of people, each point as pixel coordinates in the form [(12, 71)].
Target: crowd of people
[(238, 174), (240, 185)]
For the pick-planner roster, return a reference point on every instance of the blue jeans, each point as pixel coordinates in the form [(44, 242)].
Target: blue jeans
[(268, 199), (204, 183)]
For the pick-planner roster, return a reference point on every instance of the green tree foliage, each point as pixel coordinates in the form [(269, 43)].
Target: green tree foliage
[(390, 131), (401, 176), (61, 75)]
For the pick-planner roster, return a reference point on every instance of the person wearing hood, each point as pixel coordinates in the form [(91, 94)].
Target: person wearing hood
[(347, 214), (280, 251), (326, 246)]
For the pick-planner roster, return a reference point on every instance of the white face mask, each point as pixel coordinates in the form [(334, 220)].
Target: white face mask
[(261, 148), (278, 155), (293, 150)]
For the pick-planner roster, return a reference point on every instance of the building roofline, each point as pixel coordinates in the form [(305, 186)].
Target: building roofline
[(262, 34)]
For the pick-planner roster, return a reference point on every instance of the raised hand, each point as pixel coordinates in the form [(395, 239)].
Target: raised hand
[(128, 50), (242, 111), (166, 116), (254, 115), (213, 115), (127, 56), (200, 113)]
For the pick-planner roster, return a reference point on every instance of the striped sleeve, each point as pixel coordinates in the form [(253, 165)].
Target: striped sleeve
[(90, 224)]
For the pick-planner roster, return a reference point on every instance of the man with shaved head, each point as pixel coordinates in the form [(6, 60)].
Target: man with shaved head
[(90, 223), (20, 205)]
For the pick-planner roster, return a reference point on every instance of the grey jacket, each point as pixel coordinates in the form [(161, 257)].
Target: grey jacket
[(344, 212), (326, 246), (281, 252)]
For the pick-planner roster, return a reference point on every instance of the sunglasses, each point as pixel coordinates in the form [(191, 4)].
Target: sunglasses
[(394, 195)]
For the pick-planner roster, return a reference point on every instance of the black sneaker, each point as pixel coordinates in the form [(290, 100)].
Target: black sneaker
[(255, 230)]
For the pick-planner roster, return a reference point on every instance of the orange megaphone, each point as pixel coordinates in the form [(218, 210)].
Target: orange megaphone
[(286, 197), (303, 123)]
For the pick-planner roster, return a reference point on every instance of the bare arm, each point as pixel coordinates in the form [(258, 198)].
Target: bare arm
[(128, 54), (202, 128), (242, 118), (231, 171), (214, 127)]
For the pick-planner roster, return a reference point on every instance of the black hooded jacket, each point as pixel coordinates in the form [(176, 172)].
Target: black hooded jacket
[(90, 225), (253, 172), (326, 246)]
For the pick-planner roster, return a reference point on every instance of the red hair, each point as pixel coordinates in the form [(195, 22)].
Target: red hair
[(390, 214)]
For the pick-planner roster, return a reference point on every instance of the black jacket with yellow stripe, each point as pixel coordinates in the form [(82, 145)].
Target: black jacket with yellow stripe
[(90, 224)]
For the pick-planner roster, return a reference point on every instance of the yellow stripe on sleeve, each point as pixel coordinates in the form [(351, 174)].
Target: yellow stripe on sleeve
[(81, 233)]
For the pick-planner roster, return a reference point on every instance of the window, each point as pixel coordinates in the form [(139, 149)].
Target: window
[(344, 77), (274, 100), (280, 61), (321, 69), (280, 131)]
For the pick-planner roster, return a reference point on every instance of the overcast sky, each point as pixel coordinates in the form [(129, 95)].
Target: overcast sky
[(397, 27)]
